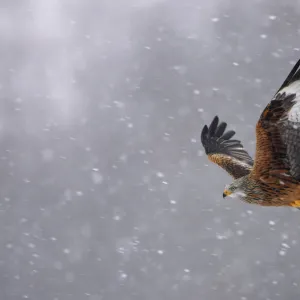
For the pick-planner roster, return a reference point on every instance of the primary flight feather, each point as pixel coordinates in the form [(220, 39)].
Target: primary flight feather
[(273, 178)]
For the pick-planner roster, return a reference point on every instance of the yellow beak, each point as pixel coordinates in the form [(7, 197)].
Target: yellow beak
[(226, 193)]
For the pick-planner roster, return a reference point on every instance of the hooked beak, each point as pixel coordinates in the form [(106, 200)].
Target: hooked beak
[(226, 193)]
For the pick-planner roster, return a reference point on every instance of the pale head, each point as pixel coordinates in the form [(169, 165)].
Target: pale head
[(235, 189)]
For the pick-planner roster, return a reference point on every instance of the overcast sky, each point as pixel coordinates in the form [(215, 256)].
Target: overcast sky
[(105, 191)]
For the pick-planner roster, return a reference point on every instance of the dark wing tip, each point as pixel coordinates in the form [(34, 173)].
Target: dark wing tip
[(213, 126), (215, 140), (228, 135), (221, 129), (293, 76), (204, 134)]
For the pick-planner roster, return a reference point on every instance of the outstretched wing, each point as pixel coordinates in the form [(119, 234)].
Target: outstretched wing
[(227, 153), (278, 135)]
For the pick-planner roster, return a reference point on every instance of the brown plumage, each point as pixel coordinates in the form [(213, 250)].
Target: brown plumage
[(273, 178)]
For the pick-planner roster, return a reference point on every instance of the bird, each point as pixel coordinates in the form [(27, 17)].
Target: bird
[(272, 178)]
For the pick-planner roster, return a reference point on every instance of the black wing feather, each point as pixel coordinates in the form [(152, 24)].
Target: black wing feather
[(293, 76), (213, 126), (228, 135), (216, 141), (220, 130)]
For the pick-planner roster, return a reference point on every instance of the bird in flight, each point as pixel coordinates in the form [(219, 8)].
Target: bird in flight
[(273, 177)]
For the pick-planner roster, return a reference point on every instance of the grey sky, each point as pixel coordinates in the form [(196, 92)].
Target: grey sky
[(105, 190)]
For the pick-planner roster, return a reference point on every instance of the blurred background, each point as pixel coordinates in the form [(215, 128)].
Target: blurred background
[(105, 190)]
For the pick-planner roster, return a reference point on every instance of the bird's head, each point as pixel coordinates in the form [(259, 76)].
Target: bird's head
[(235, 189)]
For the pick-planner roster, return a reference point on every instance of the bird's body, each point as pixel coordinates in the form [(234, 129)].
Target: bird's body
[(273, 178)]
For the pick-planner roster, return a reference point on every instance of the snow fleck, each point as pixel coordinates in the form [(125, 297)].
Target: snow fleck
[(160, 174), (122, 275), (249, 212), (263, 36), (235, 64), (196, 92), (30, 245), (282, 252), (240, 232), (215, 20), (193, 140), (271, 17), (224, 236), (123, 157), (172, 201), (272, 223), (160, 252), (121, 250), (200, 110), (258, 80), (9, 246), (129, 125), (285, 245), (276, 54), (180, 69), (119, 104), (187, 270), (67, 251), (79, 193), (192, 36), (117, 218)]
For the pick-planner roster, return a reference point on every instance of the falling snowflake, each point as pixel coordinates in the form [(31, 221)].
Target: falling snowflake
[(271, 17), (160, 174), (67, 251)]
